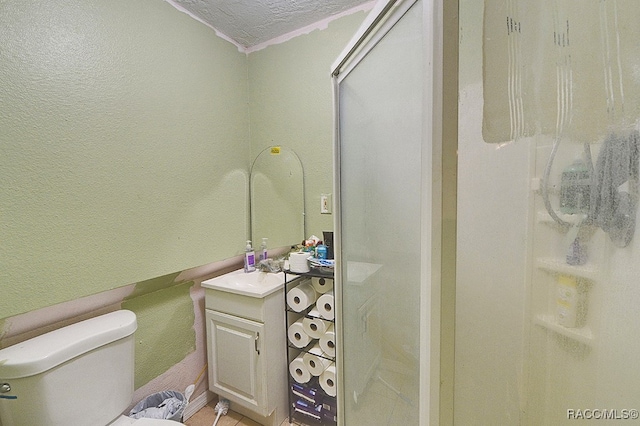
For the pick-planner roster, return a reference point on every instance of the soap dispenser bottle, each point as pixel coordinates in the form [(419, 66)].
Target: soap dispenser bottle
[(263, 250), (249, 258)]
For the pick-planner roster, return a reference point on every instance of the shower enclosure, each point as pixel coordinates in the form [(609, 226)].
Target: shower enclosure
[(534, 319), (546, 317), (384, 159)]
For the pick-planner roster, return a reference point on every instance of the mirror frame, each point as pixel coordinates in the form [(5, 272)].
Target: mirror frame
[(269, 151)]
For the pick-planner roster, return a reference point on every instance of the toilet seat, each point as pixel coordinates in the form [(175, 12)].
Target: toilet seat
[(128, 421)]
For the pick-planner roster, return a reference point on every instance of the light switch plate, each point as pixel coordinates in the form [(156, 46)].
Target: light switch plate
[(325, 203)]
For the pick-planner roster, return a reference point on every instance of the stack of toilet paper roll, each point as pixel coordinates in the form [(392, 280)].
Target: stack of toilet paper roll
[(297, 336), (314, 333), (298, 262), (316, 360), (327, 342), (328, 380), (298, 370), (325, 306), (302, 296), (322, 285), (324, 302), (313, 325)]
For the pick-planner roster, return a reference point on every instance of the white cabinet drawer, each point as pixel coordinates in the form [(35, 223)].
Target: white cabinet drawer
[(235, 304)]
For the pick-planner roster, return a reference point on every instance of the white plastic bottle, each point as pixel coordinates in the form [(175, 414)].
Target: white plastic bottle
[(570, 302), (263, 250), (249, 258)]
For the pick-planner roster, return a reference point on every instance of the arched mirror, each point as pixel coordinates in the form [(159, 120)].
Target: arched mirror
[(277, 198)]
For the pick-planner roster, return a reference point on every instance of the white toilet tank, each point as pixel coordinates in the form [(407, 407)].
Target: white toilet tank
[(78, 375)]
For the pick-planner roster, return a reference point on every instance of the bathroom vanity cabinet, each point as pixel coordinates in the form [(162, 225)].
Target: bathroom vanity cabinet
[(309, 403), (246, 353)]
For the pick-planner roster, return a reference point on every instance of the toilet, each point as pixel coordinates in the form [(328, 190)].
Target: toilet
[(79, 375)]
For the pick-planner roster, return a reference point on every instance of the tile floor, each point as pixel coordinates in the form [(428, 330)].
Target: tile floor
[(389, 400), (207, 415)]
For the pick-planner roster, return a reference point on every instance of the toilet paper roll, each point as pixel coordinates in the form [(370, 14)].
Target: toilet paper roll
[(324, 305), (298, 262), (301, 297), (322, 285), (328, 380), (299, 371), (297, 335), (314, 327), (328, 342), (315, 361)]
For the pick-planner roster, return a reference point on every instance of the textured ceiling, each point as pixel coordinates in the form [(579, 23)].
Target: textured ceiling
[(253, 22)]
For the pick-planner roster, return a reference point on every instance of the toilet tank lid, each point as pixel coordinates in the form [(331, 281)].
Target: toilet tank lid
[(49, 350)]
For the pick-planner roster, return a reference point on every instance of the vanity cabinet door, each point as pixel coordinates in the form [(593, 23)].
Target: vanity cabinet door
[(236, 367)]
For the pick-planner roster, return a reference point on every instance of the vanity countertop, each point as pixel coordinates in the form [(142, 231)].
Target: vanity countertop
[(253, 284)]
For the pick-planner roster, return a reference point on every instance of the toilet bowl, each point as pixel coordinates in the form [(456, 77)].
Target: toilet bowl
[(79, 375)]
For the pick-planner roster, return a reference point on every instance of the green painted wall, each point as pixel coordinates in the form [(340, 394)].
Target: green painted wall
[(124, 147), (290, 94), (165, 332)]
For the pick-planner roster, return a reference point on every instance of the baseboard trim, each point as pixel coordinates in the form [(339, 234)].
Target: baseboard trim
[(196, 404)]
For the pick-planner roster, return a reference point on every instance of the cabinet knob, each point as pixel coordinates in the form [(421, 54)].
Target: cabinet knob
[(256, 343)]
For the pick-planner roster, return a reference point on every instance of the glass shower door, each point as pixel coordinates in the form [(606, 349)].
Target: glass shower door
[(380, 180)]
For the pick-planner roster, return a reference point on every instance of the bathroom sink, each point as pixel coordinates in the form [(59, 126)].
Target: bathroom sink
[(252, 284)]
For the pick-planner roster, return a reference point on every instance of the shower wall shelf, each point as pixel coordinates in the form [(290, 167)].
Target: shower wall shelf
[(545, 218), (582, 335), (588, 273), (322, 400), (558, 266), (564, 302)]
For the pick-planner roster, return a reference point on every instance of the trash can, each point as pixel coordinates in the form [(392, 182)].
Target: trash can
[(168, 405)]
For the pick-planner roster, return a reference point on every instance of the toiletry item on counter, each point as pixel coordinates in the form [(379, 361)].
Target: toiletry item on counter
[(270, 265), (301, 296), (325, 265), (263, 250), (311, 242), (249, 258), (571, 302), (321, 251), (328, 241)]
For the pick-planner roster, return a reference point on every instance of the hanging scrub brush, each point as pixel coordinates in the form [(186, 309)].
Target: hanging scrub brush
[(221, 408)]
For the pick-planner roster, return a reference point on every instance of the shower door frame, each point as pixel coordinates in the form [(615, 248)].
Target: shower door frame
[(437, 268)]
